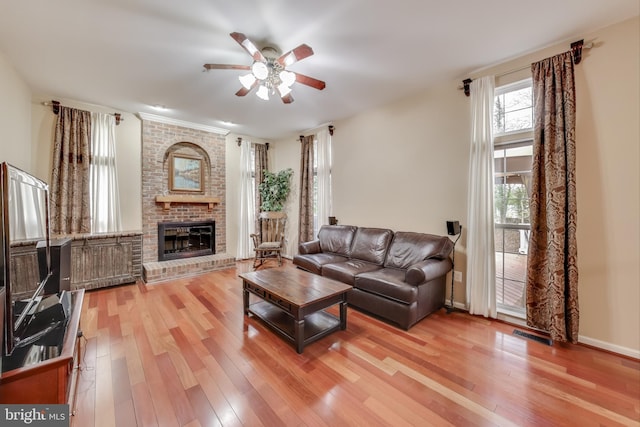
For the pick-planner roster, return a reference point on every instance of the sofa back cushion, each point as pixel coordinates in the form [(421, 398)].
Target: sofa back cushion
[(408, 248), (336, 239), (371, 244)]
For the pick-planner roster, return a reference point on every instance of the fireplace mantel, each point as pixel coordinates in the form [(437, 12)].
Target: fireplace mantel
[(186, 198)]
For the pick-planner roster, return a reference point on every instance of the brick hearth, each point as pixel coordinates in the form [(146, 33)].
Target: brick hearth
[(176, 268)]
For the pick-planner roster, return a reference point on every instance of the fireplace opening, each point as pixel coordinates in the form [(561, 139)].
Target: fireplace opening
[(186, 239)]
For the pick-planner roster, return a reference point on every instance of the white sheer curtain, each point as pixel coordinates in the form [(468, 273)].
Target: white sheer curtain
[(247, 203), (103, 193), (324, 179), (481, 276)]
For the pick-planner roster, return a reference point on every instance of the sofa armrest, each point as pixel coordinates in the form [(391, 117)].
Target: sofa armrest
[(427, 270), (312, 247)]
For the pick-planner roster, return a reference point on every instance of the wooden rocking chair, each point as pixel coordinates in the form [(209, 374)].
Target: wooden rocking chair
[(268, 242)]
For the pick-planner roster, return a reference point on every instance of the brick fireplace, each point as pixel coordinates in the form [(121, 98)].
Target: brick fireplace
[(161, 140)]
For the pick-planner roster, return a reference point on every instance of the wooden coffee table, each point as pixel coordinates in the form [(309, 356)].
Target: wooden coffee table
[(292, 302)]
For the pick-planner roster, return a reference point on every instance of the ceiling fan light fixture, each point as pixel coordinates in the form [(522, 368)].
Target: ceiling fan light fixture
[(284, 89), (268, 70), (247, 80), (287, 77), (260, 70), (263, 92)]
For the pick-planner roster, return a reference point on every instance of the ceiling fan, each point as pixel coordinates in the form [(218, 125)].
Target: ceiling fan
[(269, 71)]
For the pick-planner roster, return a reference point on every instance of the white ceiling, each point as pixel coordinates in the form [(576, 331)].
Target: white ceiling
[(130, 54)]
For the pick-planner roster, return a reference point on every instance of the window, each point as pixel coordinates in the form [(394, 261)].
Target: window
[(316, 219), (513, 152), (321, 180), (513, 109), (254, 185)]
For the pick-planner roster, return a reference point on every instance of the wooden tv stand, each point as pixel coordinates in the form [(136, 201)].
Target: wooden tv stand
[(51, 381)]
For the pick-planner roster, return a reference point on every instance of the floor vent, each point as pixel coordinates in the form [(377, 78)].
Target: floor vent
[(537, 338)]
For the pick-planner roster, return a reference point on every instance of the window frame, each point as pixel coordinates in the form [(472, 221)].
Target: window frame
[(505, 141), (520, 133)]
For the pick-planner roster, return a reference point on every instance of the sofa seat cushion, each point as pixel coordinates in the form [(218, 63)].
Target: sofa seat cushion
[(314, 262), (346, 271), (388, 283)]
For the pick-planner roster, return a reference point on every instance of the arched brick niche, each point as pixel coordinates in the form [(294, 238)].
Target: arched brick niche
[(192, 151)]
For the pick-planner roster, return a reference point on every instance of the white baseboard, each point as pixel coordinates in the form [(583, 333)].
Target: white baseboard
[(602, 345), (625, 351)]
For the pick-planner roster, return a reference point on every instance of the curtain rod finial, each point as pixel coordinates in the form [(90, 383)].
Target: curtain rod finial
[(467, 86), (239, 140), (331, 128), (576, 49)]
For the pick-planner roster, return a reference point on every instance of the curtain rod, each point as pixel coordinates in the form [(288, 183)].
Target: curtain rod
[(330, 127), (577, 57), (576, 49), (239, 141), (55, 107)]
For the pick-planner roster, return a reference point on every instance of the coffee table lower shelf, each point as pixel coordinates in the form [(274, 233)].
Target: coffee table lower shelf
[(315, 326)]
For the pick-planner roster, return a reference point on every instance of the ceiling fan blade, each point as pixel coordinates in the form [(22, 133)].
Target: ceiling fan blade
[(248, 46), (243, 90), (287, 99), (226, 67), (295, 55), (310, 81)]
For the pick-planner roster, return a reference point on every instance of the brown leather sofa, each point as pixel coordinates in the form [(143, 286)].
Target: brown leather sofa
[(400, 277)]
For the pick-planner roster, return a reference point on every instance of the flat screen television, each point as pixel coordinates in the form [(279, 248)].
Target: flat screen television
[(24, 215)]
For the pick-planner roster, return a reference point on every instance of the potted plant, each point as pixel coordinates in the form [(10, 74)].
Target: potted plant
[(274, 190)]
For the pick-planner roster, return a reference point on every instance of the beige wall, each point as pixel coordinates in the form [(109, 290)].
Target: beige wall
[(128, 153), (608, 174), (15, 118), (232, 160), (404, 166)]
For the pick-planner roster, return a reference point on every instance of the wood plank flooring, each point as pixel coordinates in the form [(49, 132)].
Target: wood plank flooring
[(182, 353)]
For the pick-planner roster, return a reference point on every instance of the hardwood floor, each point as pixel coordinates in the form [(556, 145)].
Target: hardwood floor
[(182, 353)]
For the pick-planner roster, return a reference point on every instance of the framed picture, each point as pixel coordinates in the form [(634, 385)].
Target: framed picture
[(185, 173)]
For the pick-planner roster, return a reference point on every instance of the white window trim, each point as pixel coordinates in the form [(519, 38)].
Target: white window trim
[(499, 137)]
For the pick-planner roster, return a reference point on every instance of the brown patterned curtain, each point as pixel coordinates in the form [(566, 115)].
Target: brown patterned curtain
[(552, 268), (261, 163), (70, 213), (305, 220)]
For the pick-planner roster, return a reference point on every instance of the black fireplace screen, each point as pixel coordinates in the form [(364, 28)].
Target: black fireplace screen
[(186, 239)]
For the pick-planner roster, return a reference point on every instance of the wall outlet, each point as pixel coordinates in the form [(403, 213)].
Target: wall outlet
[(457, 276)]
